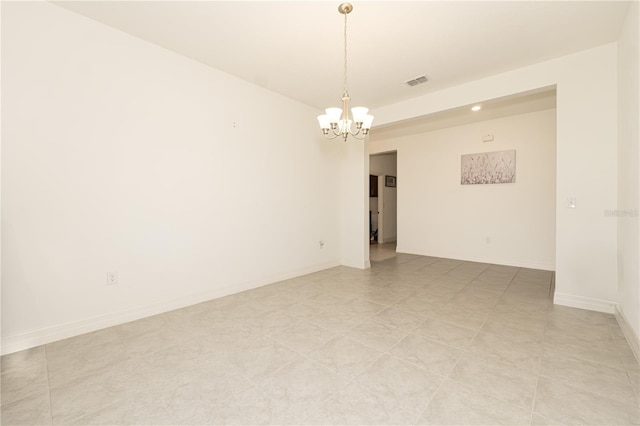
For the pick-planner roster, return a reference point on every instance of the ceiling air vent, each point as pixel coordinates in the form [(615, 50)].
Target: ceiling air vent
[(416, 81)]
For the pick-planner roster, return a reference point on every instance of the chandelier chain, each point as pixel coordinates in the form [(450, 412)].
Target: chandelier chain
[(345, 53)]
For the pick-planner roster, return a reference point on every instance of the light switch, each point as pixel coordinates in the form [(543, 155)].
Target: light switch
[(571, 202)]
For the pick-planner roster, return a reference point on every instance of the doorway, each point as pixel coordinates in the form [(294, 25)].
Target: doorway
[(382, 204)]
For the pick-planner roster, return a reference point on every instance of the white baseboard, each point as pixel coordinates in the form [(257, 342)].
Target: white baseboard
[(521, 263), (356, 263), (632, 338), (582, 302), (33, 338)]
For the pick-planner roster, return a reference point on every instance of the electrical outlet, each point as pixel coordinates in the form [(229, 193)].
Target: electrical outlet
[(321, 243), (112, 278)]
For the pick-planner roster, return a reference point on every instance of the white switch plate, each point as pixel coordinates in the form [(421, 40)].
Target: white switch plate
[(112, 278), (571, 202)]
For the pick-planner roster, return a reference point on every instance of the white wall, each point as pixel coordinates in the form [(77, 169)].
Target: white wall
[(354, 204), (386, 165), (119, 155), (586, 240), (628, 169), (509, 224)]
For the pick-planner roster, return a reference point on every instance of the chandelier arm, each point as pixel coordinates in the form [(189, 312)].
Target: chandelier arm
[(358, 136), (332, 135)]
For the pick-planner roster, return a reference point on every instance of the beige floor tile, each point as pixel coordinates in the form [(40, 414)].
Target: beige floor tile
[(524, 304), (402, 285), (303, 309), (355, 405), (385, 296), (516, 328), (634, 379), (523, 353), (462, 315), (141, 326), (304, 336), (140, 409), (65, 366), (589, 376), (538, 420), (422, 307), (398, 318), (566, 315), (94, 392), (505, 313), (445, 264), (345, 356), (603, 352), (273, 322), (231, 302), (31, 410), (198, 391), (505, 308), (171, 361), (433, 291), (328, 300), (338, 321), (561, 329), (250, 309), (378, 336), (300, 293), (262, 357), (455, 404), (446, 333), (22, 360), (68, 347), (363, 308), (402, 383), (301, 386), (496, 377), (248, 407), (232, 337), (19, 383), (275, 301), (198, 322), (157, 339), (478, 298), (570, 406), (426, 353)]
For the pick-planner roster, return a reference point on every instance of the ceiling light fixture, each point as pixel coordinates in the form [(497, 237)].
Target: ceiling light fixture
[(476, 108), (337, 121)]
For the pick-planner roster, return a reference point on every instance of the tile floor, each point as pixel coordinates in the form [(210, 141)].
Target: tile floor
[(378, 252), (414, 340)]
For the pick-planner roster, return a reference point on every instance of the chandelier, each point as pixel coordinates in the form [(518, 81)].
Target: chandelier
[(337, 121)]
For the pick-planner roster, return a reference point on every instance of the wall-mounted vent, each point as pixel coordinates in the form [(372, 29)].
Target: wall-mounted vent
[(416, 81)]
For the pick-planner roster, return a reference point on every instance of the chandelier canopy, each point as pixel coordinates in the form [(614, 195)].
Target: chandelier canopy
[(338, 121)]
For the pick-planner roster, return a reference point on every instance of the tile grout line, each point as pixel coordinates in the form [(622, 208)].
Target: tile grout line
[(535, 391), (46, 359)]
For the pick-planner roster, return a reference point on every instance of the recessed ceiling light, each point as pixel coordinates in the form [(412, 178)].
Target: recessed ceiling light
[(476, 108)]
